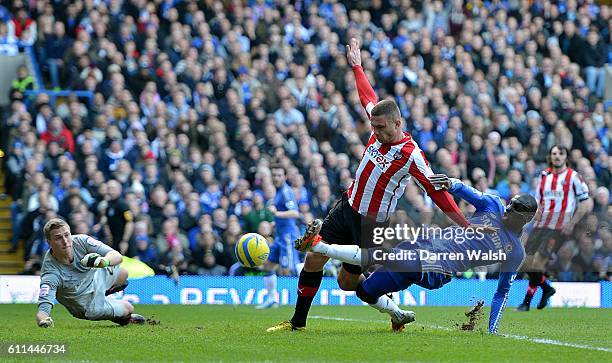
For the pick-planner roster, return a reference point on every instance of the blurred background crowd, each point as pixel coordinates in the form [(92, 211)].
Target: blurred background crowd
[(193, 101)]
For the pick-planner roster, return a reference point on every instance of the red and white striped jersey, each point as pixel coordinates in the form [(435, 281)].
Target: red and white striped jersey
[(557, 196), (385, 169), (383, 173)]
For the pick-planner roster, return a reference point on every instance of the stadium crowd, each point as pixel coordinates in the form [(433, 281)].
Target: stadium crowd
[(193, 101)]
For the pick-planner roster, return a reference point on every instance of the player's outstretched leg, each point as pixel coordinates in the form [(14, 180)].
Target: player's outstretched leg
[(311, 236), (373, 291), (355, 256)]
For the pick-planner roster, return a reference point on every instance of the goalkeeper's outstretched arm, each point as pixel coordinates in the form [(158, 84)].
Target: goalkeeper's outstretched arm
[(46, 299)]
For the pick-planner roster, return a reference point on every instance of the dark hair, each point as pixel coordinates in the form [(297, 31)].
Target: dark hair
[(278, 166), (387, 108), (561, 148)]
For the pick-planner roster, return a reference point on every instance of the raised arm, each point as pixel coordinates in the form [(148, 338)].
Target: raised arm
[(367, 96)]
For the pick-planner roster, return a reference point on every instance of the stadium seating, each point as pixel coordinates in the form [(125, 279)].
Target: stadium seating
[(188, 103)]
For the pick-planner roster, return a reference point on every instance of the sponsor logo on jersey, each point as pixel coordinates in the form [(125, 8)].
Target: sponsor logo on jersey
[(553, 194), (380, 160)]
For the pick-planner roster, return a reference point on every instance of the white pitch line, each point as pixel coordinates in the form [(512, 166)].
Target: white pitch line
[(509, 336), (555, 342)]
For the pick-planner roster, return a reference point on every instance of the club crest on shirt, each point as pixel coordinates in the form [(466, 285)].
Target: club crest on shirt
[(398, 155)]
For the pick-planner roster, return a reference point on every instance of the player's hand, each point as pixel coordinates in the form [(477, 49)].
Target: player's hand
[(482, 228), (46, 323), (440, 181), (353, 53), (94, 260)]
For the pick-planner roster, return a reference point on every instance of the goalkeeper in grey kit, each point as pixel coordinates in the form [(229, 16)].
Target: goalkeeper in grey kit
[(80, 272)]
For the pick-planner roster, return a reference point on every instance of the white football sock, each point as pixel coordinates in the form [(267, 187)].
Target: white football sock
[(348, 254), (270, 285), (387, 305)]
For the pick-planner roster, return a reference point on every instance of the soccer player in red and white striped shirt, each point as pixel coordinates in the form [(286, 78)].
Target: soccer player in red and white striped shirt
[(391, 157), (563, 199)]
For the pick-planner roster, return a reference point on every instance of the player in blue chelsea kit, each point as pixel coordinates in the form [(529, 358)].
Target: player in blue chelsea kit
[(411, 263), (282, 251)]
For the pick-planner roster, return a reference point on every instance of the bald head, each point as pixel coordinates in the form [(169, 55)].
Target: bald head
[(114, 189)]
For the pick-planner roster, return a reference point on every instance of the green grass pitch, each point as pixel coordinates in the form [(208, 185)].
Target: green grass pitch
[(350, 334)]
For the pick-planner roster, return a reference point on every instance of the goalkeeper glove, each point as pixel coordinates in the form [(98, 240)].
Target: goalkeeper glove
[(94, 260), (46, 323)]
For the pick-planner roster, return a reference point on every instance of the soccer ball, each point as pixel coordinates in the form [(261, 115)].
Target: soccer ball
[(252, 250)]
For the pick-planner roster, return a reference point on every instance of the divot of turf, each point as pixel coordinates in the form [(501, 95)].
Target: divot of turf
[(473, 315)]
